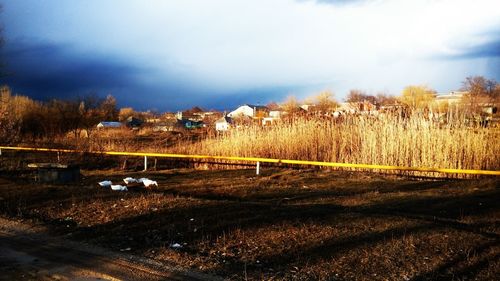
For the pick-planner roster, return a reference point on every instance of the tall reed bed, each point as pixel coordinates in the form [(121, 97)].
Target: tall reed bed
[(413, 142)]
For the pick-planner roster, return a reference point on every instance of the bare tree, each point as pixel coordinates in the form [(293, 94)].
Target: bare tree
[(291, 105), (385, 99), (108, 108), (479, 91), (126, 112), (325, 102), (9, 127), (360, 96)]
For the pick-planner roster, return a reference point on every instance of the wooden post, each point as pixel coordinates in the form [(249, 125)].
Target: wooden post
[(257, 171), (58, 157), (145, 163), (156, 160)]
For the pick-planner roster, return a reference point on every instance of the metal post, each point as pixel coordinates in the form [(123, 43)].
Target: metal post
[(257, 171), (145, 163), (0, 152), (58, 157)]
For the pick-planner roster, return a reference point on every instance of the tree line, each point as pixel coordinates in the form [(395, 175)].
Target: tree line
[(24, 118), (477, 92)]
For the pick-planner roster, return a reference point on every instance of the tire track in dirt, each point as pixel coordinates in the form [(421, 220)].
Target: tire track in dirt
[(30, 255)]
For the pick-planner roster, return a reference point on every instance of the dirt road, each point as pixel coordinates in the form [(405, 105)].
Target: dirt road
[(28, 253)]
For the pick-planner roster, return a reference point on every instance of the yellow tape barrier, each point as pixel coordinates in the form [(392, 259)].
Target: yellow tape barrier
[(267, 160)]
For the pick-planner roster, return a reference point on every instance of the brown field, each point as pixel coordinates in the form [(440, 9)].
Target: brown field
[(284, 224)]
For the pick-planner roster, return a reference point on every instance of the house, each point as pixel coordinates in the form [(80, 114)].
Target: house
[(223, 124), (167, 126), (268, 121), (362, 107), (133, 122), (169, 116), (450, 98), (273, 117), (109, 124), (254, 111), (276, 114), (194, 114), (190, 124), (153, 120), (308, 107), (348, 107)]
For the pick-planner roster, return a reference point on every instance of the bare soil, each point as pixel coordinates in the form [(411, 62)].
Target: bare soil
[(27, 252), (281, 225)]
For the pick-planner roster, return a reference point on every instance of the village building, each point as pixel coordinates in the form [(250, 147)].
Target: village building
[(169, 125), (133, 122), (308, 107), (453, 97), (268, 121), (362, 107), (276, 114), (193, 114), (153, 120), (190, 124), (223, 124), (109, 124), (254, 111)]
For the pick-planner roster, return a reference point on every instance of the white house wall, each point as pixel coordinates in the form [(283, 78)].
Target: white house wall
[(242, 110)]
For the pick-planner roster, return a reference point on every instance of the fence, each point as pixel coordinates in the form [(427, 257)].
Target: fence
[(258, 160)]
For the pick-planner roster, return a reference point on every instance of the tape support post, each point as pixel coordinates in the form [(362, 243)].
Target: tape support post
[(265, 160)]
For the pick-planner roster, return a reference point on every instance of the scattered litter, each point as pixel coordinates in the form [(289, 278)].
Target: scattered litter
[(129, 180), (141, 180), (149, 183), (126, 249), (191, 219), (176, 246), (119, 187), (105, 183)]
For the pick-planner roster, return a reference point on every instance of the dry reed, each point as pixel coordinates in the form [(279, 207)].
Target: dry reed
[(411, 142), (414, 141)]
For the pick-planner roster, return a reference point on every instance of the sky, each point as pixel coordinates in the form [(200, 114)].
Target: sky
[(171, 55)]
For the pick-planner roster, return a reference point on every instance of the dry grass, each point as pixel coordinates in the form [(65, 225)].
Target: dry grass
[(413, 142), (283, 225)]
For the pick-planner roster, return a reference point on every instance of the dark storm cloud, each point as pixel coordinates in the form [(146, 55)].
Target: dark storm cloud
[(490, 49), (55, 71), (44, 71)]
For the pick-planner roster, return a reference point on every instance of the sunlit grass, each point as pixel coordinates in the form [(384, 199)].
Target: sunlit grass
[(412, 142)]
